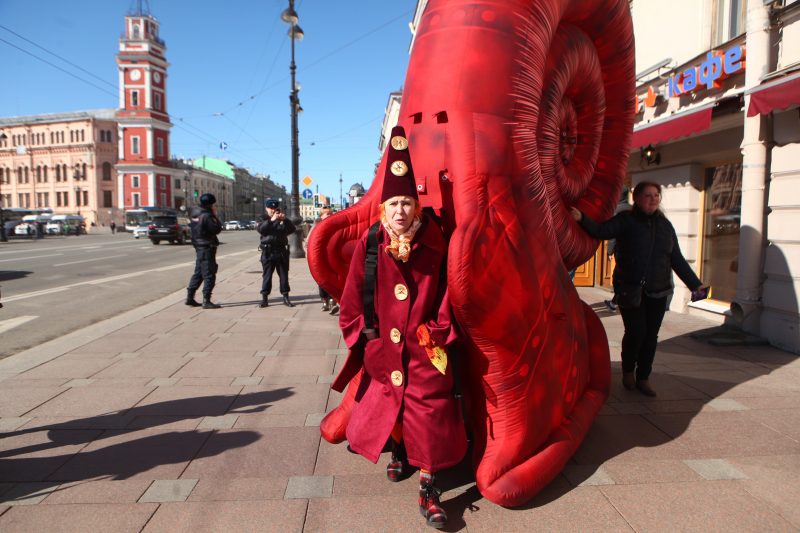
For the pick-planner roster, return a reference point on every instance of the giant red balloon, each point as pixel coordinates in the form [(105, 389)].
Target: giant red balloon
[(515, 110)]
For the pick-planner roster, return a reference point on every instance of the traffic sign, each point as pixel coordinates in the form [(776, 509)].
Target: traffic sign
[(308, 194), (307, 181)]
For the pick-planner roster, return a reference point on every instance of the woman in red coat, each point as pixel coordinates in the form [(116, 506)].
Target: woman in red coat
[(406, 392)]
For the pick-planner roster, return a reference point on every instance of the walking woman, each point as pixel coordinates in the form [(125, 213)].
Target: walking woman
[(405, 397), (647, 252)]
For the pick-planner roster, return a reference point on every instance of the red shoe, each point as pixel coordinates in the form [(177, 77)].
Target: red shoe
[(429, 506)]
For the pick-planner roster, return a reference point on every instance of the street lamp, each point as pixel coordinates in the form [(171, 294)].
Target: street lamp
[(76, 175), (289, 16), (3, 236), (255, 199)]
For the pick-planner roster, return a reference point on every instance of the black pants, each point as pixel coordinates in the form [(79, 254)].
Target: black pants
[(641, 335), (270, 262), (323, 294), (205, 271)]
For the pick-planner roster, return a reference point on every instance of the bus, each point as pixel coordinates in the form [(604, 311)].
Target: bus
[(144, 215), (12, 216)]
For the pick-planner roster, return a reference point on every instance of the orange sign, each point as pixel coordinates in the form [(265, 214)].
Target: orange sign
[(307, 181)]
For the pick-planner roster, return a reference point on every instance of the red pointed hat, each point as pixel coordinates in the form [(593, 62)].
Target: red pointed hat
[(399, 177)]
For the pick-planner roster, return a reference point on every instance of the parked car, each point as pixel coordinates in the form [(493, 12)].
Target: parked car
[(232, 225), (174, 229), (252, 224), (141, 230), (57, 223)]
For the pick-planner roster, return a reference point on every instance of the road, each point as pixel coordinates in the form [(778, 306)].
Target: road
[(59, 284)]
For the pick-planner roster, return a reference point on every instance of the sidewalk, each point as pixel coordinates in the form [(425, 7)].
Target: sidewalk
[(172, 419)]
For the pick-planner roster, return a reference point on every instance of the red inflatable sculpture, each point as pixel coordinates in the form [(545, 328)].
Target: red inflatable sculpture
[(515, 110)]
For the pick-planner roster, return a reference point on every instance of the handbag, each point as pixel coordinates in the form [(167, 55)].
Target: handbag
[(629, 295)]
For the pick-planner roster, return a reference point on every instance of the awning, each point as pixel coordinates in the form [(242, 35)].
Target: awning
[(674, 127), (776, 94)]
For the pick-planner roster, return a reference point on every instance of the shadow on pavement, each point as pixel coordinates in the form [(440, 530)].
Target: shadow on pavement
[(100, 447), (8, 275)]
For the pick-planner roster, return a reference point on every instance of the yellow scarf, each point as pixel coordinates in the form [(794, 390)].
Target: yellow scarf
[(400, 246)]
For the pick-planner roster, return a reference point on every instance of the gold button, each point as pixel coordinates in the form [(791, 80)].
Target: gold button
[(395, 335), (397, 378), (399, 168), (400, 291), (399, 142)]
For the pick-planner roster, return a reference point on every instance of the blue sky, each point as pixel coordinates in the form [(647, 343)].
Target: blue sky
[(228, 77)]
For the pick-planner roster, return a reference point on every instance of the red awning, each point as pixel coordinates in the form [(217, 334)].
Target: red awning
[(674, 127), (776, 94)]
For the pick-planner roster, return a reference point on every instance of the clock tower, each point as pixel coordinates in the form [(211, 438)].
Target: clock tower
[(144, 172)]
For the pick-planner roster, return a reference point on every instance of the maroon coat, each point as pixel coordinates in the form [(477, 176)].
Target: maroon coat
[(399, 379)]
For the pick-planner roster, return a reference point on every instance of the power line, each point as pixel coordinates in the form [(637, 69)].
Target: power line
[(67, 61)]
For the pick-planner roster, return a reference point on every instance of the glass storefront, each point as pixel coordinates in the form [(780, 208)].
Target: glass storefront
[(723, 206)]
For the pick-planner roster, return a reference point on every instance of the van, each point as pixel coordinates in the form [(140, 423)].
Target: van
[(29, 223), (57, 223)]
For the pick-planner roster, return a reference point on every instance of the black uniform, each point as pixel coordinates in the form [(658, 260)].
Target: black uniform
[(205, 227), (275, 253)]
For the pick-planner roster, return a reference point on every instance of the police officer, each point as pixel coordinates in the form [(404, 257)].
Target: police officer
[(274, 229), (205, 227)]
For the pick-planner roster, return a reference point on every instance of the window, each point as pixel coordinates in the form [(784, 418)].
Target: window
[(177, 184), (162, 182), (38, 174), (71, 136), (83, 172), (163, 197), (157, 101), (160, 146), (78, 198), (85, 197), (135, 181), (64, 175), (134, 98), (729, 20), (107, 199), (137, 31), (723, 205), (44, 175), (27, 176), (134, 145), (58, 172), (106, 171), (135, 199)]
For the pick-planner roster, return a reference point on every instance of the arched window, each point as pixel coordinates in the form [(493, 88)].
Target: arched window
[(137, 31), (45, 174), (58, 172), (83, 171), (64, 174), (106, 171), (38, 173)]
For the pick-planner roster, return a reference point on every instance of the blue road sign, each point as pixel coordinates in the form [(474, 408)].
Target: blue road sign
[(308, 194)]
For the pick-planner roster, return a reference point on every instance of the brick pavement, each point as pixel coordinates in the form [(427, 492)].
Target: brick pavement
[(169, 418)]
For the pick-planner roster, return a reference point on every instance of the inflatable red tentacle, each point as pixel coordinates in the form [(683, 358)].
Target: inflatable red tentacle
[(515, 111)]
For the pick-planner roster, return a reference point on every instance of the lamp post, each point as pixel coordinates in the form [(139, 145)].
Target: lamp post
[(289, 16), (76, 175), (3, 236)]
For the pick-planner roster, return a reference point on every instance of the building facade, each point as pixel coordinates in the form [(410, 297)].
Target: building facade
[(61, 161), (718, 127)]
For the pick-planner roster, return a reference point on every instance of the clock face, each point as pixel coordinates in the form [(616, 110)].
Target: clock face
[(136, 74), (157, 77)]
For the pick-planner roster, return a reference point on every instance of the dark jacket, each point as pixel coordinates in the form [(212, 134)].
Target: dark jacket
[(275, 235), (634, 231), (205, 227)]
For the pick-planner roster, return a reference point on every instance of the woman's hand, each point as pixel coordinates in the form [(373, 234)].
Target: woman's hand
[(576, 214)]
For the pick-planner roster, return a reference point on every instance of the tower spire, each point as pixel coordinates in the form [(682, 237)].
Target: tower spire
[(140, 8)]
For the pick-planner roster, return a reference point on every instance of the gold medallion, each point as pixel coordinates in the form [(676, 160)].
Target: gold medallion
[(397, 378), (395, 335), (400, 291), (399, 142), (399, 168)]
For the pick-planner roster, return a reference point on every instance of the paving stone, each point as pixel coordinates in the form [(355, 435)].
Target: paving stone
[(11, 423), (726, 404), (714, 469), (587, 475), (91, 401), (216, 489), (78, 383), (314, 419), (267, 353), (129, 355), (27, 493), (205, 382), (265, 516), (143, 368), (195, 355), (336, 351), (102, 518), (16, 402), (326, 379), (168, 490), (307, 487), (163, 382), (282, 333), (218, 422), (92, 492), (247, 380)]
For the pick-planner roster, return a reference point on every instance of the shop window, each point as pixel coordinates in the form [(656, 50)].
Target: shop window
[(723, 206)]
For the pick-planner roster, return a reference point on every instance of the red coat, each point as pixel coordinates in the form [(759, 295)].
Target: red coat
[(419, 394)]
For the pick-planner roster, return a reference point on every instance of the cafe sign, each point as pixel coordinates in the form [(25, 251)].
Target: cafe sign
[(709, 74)]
